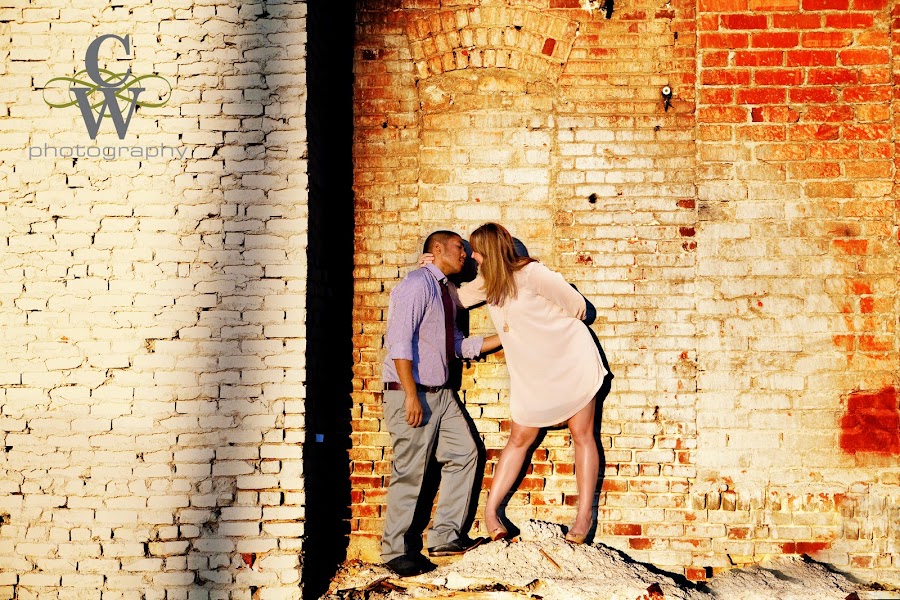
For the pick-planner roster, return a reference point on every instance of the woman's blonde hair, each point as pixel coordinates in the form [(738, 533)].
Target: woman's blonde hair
[(500, 262)]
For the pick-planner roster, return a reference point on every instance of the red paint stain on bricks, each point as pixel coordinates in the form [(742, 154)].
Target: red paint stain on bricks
[(804, 547), (874, 345), (366, 511), (564, 469), (861, 309), (774, 114), (871, 423), (359, 482), (640, 543), (613, 485), (532, 484), (630, 529), (826, 131), (695, 573), (852, 247), (862, 562), (549, 45), (859, 287)]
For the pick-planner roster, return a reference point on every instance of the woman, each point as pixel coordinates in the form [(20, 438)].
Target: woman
[(555, 368)]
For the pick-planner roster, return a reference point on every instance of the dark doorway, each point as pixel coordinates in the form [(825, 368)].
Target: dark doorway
[(329, 120)]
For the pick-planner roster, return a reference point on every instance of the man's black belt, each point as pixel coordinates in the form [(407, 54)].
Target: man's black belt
[(428, 389)]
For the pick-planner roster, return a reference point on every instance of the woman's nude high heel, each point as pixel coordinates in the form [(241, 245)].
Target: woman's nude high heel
[(575, 538), (498, 533)]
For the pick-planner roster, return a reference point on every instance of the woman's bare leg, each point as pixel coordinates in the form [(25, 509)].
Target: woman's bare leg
[(587, 465), (507, 470)]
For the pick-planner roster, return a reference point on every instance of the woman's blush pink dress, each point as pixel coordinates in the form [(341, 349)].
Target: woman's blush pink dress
[(554, 365)]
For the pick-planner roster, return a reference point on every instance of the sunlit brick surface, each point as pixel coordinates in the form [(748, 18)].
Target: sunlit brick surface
[(740, 245)]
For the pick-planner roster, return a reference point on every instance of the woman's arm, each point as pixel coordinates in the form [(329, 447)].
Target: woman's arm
[(491, 342), (468, 294), (552, 286)]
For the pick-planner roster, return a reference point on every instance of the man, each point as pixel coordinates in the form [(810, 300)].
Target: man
[(423, 414)]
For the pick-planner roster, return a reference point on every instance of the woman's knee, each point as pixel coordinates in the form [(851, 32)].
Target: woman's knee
[(583, 436), (581, 426), (522, 437)]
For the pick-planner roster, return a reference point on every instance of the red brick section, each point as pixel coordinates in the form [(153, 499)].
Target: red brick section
[(895, 53), (796, 129)]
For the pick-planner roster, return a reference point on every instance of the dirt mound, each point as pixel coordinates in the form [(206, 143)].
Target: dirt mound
[(541, 564)]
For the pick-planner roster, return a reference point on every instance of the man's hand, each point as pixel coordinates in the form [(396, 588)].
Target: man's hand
[(412, 404), (414, 411)]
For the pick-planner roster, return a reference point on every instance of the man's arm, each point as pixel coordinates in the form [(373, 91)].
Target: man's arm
[(414, 412), (405, 314)]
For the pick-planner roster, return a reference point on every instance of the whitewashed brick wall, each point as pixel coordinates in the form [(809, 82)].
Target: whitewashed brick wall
[(152, 310)]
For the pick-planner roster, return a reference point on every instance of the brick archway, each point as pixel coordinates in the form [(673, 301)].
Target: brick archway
[(522, 39)]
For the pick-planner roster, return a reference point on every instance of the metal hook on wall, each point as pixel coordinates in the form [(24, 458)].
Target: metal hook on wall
[(667, 97), (592, 5)]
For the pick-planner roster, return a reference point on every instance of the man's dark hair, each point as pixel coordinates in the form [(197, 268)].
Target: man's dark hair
[(438, 237)]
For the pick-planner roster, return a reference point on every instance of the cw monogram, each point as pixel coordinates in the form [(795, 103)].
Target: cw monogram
[(116, 94)]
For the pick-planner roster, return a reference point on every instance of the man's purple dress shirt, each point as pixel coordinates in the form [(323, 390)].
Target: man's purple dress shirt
[(415, 329)]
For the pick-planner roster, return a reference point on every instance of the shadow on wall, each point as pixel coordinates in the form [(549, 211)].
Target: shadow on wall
[(329, 293), (261, 502)]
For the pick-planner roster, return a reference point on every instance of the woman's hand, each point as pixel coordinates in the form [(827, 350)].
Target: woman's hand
[(490, 343), (426, 259)]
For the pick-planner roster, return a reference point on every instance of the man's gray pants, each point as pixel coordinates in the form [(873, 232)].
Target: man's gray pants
[(444, 435)]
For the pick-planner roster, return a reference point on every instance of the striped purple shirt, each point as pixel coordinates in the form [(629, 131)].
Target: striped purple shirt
[(415, 329)]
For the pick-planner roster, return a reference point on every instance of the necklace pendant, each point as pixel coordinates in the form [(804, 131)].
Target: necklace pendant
[(506, 327)]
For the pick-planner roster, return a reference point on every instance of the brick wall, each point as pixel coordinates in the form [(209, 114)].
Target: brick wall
[(152, 309), (741, 248)]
